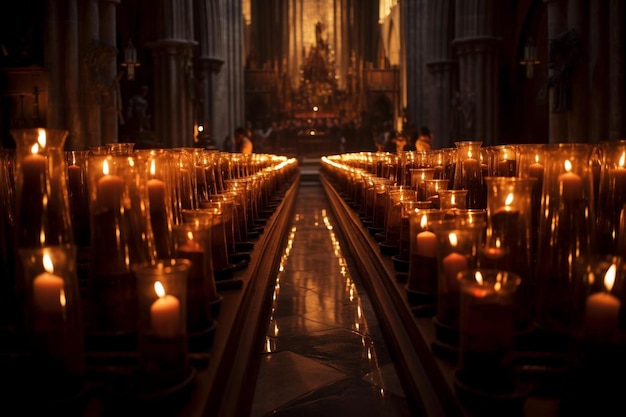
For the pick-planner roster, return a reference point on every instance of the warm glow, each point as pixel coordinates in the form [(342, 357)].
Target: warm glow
[(47, 263), (622, 160), (152, 167), (454, 241), (537, 158), (190, 235), (105, 168), (315, 108), (424, 221), (509, 199), (41, 139), (469, 154), (609, 278), (34, 149), (158, 288), (568, 165), (479, 277)]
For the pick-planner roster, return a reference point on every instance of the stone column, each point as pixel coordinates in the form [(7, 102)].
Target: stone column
[(109, 82), (173, 85), (557, 25), (441, 74), (477, 46), (209, 35), (578, 116), (616, 120)]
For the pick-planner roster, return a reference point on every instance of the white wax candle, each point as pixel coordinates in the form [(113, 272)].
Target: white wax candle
[(571, 186), (426, 244), (471, 167), (48, 292), (156, 195), (33, 168), (452, 265), (601, 316), (535, 170), (165, 316), (109, 189)]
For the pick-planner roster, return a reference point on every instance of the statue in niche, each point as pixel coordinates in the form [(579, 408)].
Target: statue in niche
[(564, 51)]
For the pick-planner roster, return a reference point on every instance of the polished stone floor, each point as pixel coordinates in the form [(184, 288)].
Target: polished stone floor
[(324, 353)]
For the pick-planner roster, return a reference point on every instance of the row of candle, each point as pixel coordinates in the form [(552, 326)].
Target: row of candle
[(522, 237), (118, 212), (520, 273)]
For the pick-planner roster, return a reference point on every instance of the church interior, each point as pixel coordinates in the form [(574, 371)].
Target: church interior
[(334, 96)]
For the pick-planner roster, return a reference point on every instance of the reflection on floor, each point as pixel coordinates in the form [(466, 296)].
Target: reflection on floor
[(324, 353)]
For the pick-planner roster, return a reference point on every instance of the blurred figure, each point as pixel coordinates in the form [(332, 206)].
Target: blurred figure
[(243, 144), (424, 140)]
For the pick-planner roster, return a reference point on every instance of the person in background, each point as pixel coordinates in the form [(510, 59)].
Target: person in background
[(243, 144), (424, 140)]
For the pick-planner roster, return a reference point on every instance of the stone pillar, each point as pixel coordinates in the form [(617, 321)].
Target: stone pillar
[(109, 86), (477, 46), (89, 57), (578, 116), (173, 85), (557, 25), (209, 35), (441, 73), (616, 120)]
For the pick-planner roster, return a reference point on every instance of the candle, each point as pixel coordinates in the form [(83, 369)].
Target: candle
[(570, 183), (165, 313), (618, 179), (602, 310), (535, 170), (427, 244), (452, 265), (33, 169), (156, 195), (48, 294), (109, 190), (471, 167)]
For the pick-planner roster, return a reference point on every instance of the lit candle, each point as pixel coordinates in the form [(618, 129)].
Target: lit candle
[(570, 183), (48, 294), (109, 189), (618, 175), (156, 191), (471, 167), (33, 170), (602, 310), (165, 313), (535, 170), (426, 241), (452, 265)]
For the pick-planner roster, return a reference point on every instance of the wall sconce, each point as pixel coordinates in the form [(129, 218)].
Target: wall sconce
[(530, 58), (130, 60)]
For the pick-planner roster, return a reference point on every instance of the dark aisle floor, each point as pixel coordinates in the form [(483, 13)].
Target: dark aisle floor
[(324, 352)]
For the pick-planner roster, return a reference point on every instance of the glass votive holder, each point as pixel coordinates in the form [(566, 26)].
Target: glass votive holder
[(596, 348), (451, 200), (458, 246), (433, 187), (395, 198), (163, 345), (193, 242), (53, 321), (486, 348), (422, 278), (78, 196)]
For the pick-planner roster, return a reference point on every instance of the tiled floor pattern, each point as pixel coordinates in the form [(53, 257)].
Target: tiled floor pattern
[(324, 353)]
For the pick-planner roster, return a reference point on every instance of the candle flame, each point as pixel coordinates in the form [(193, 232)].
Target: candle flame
[(453, 200), (622, 160), (469, 154), (62, 299), (158, 288), (47, 263), (41, 139), (152, 167), (105, 168), (498, 243), (537, 158), (424, 221), (190, 235), (509, 199), (568, 165), (454, 241), (609, 277), (478, 277)]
